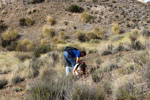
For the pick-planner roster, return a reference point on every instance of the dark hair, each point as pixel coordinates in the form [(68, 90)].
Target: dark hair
[(84, 53), (83, 66)]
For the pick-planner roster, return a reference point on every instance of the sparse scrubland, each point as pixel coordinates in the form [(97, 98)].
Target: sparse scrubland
[(32, 66)]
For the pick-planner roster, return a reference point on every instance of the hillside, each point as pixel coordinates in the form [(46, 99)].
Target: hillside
[(114, 33)]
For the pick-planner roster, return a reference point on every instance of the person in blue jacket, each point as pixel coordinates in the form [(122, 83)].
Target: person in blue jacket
[(69, 56)]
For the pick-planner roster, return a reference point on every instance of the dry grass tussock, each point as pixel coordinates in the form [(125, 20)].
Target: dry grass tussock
[(86, 17), (125, 88), (10, 35), (50, 20), (48, 32), (8, 60)]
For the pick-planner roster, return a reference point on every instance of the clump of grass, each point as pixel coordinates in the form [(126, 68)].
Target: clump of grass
[(74, 8), (50, 20), (4, 12), (1, 6), (48, 32), (86, 17), (35, 1), (62, 35), (17, 89), (127, 90), (30, 11), (10, 35), (116, 29), (24, 45), (106, 49), (3, 26), (38, 50), (81, 36), (98, 31), (109, 66), (17, 79), (3, 82), (134, 35), (91, 35), (27, 21)]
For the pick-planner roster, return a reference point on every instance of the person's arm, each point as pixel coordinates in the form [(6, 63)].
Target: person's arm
[(74, 71), (86, 74), (77, 60)]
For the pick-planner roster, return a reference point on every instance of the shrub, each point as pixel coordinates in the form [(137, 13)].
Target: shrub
[(24, 45), (1, 6), (3, 26), (134, 35), (3, 82), (36, 1), (48, 32), (115, 29), (26, 21), (8, 39), (74, 8), (145, 33), (17, 89), (38, 50), (23, 56), (17, 79), (127, 91), (4, 12), (86, 17), (81, 36), (110, 67), (10, 35), (62, 35), (91, 35), (50, 20), (98, 31)]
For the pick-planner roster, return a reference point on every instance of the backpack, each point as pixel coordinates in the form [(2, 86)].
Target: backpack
[(82, 65), (69, 49)]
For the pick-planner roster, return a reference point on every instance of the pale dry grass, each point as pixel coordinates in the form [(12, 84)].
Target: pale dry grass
[(8, 60)]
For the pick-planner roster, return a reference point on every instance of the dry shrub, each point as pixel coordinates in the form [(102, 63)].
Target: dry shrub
[(1, 6), (3, 82), (125, 89), (44, 42), (91, 35), (98, 31), (86, 17), (48, 32), (27, 21), (62, 35), (116, 29), (10, 35), (50, 20), (3, 26), (81, 36), (4, 12), (24, 45)]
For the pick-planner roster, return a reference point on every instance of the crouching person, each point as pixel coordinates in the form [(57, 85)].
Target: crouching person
[(80, 70)]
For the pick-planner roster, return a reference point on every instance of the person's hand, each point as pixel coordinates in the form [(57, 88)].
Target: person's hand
[(78, 77)]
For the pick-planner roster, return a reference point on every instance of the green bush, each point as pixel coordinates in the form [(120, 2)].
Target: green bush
[(74, 8), (35, 1)]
